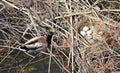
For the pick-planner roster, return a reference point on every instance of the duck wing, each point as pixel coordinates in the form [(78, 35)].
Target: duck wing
[(33, 40), (41, 48), (35, 45)]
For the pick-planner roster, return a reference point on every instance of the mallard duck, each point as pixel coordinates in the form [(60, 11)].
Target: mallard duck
[(39, 43)]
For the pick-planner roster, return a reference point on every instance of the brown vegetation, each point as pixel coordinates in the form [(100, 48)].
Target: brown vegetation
[(21, 20)]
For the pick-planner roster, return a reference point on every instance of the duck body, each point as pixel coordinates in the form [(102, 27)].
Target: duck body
[(39, 43)]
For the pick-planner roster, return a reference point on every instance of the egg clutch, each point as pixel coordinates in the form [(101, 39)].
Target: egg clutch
[(86, 32)]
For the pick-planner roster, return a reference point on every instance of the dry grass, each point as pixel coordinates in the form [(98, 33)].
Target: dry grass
[(73, 53)]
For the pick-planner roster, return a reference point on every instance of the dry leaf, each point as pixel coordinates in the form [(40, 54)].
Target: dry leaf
[(68, 68), (67, 43), (4, 50)]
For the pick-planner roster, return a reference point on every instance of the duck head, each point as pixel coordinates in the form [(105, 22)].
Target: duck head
[(49, 37)]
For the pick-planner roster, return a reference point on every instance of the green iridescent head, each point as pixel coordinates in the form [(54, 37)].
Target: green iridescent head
[(49, 37)]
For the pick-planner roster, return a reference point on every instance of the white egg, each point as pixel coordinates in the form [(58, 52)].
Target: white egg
[(85, 28), (83, 33), (97, 7), (89, 32), (89, 37)]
